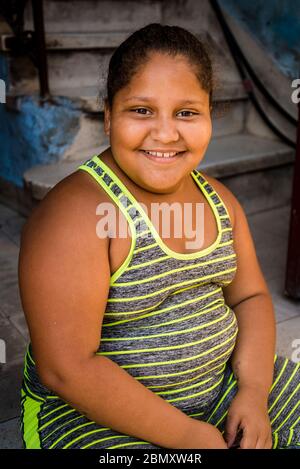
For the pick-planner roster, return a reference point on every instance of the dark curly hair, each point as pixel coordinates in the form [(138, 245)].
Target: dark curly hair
[(155, 37)]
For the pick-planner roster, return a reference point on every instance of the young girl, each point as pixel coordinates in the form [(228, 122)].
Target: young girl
[(140, 341)]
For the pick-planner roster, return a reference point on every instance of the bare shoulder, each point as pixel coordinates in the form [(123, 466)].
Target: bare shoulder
[(74, 199), (226, 195)]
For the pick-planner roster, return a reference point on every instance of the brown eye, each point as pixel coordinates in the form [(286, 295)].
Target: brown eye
[(139, 109), (189, 112)]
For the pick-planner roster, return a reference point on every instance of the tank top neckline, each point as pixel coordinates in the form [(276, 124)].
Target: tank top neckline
[(151, 227)]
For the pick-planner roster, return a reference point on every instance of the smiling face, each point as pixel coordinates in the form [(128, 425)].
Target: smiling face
[(163, 108)]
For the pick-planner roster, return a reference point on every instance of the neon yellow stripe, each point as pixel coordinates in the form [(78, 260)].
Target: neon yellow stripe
[(54, 410), (226, 243), (30, 411), (192, 386), (183, 303), (211, 306), (69, 432), (61, 426), (145, 248), (219, 289), (181, 319), (180, 269), (36, 397), (295, 423), (188, 380), (30, 357), (143, 264), (290, 437), (181, 360), (135, 312), (170, 287), (190, 370), (195, 415), (285, 403), (168, 334), (206, 391), (91, 433), (221, 400), (159, 312), (181, 346), (275, 440), (186, 302), (279, 375), (289, 415), (121, 269), (105, 439), (222, 418), (285, 386), (57, 418), (190, 344), (140, 234), (173, 271)]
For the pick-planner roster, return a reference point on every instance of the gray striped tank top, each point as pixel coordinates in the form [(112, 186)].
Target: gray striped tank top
[(166, 321)]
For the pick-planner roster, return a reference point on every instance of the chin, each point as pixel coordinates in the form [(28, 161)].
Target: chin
[(160, 188)]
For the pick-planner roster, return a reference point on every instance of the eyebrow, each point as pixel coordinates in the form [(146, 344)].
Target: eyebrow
[(144, 98)]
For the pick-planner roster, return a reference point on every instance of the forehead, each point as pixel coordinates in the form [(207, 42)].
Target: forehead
[(164, 76)]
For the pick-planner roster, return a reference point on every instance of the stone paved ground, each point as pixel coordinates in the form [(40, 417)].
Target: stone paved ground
[(270, 233)]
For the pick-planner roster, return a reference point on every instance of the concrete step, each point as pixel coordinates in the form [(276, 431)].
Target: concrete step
[(97, 15), (79, 40), (85, 68), (232, 158)]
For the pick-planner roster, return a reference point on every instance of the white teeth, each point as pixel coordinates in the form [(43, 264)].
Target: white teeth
[(162, 155)]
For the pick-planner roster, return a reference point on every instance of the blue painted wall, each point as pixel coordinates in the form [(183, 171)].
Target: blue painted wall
[(276, 24), (34, 134)]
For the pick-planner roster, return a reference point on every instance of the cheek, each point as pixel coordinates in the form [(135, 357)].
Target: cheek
[(129, 133), (198, 135)]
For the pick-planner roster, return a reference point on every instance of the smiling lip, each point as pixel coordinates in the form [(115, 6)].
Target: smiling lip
[(160, 159), (163, 151)]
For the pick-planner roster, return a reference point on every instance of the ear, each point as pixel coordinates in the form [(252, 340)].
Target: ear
[(107, 115)]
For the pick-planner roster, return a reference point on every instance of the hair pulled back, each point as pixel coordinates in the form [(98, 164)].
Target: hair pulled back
[(135, 51)]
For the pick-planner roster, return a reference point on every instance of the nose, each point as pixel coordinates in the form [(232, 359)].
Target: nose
[(165, 130)]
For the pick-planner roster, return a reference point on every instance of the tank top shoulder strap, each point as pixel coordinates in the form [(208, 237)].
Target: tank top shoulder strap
[(214, 199), (117, 191)]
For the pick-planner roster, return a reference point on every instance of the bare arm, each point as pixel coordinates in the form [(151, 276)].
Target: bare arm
[(64, 284), (253, 357)]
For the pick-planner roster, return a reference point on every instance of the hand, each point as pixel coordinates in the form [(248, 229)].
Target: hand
[(248, 414), (202, 435)]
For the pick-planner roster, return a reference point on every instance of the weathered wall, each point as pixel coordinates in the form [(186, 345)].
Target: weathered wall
[(276, 25), (35, 134)]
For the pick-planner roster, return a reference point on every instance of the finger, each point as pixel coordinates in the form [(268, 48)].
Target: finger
[(231, 428), (249, 439), (269, 442), (265, 442), (262, 443)]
